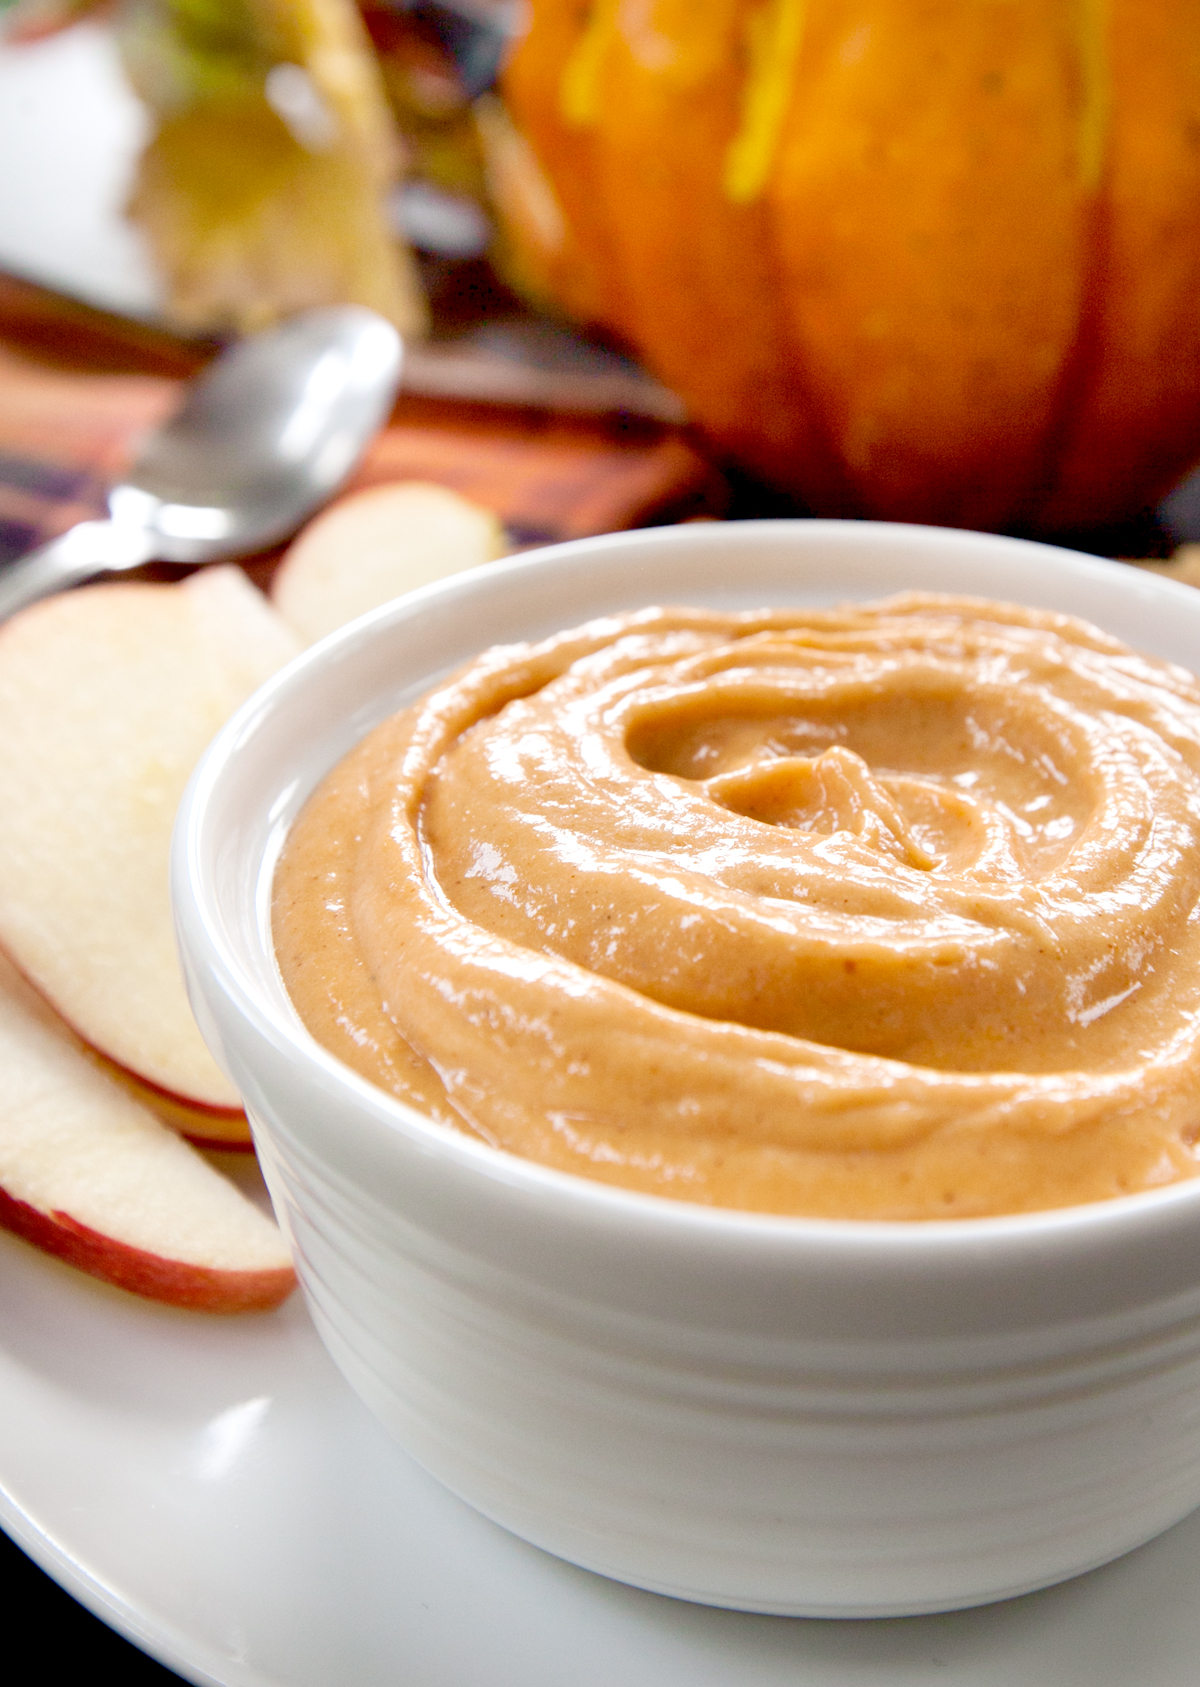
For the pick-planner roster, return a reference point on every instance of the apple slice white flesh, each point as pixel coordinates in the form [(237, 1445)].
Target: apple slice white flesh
[(108, 696), (373, 545), (88, 1174)]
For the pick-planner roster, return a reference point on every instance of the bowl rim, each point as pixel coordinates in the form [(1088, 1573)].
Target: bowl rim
[(197, 914)]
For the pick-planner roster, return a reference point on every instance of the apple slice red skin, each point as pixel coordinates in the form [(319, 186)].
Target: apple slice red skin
[(203, 1126), (199, 1288), (62, 1062)]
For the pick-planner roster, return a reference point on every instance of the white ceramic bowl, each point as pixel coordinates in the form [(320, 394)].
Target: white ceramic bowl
[(788, 1415)]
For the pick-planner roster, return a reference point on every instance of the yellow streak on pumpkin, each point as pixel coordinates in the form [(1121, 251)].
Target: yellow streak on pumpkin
[(1096, 92), (773, 36), (579, 89)]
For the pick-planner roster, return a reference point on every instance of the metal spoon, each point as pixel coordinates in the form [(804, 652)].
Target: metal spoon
[(266, 433)]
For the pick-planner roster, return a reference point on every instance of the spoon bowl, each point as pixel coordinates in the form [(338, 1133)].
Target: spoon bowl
[(264, 436)]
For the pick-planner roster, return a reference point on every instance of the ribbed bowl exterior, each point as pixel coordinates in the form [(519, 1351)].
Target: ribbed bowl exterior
[(743, 1468), (780, 1415)]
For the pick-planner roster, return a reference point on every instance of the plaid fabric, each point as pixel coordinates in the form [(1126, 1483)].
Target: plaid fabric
[(69, 421), (543, 491), (78, 390), (39, 500)]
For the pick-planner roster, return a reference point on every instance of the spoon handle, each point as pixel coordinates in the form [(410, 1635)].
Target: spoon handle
[(90, 547)]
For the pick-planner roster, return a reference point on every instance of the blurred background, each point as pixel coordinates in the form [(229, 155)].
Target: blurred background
[(935, 267), (654, 260)]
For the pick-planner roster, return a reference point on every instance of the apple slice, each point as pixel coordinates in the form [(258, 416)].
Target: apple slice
[(373, 545), (210, 1125), (88, 1174), (108, 695)]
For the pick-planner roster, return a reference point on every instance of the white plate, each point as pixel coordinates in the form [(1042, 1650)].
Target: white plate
[(211, 1488)]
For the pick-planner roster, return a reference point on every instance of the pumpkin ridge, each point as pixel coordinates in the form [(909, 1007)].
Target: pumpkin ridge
[(579, 84), (1080, 365), (774, 38), (1095, 116), (1075, 379)]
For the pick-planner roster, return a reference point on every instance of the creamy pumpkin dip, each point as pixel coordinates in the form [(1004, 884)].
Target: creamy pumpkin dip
[(889, 911)]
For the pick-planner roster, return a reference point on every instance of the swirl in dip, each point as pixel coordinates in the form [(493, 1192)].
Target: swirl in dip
[(890, 911)]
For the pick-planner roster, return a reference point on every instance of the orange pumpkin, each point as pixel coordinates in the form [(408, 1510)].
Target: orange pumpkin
[(933, 260)]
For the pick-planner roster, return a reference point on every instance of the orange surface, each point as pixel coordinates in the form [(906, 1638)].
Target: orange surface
[(927, 261)]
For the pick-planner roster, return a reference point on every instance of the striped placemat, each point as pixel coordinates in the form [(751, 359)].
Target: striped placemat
[(78, 389)]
